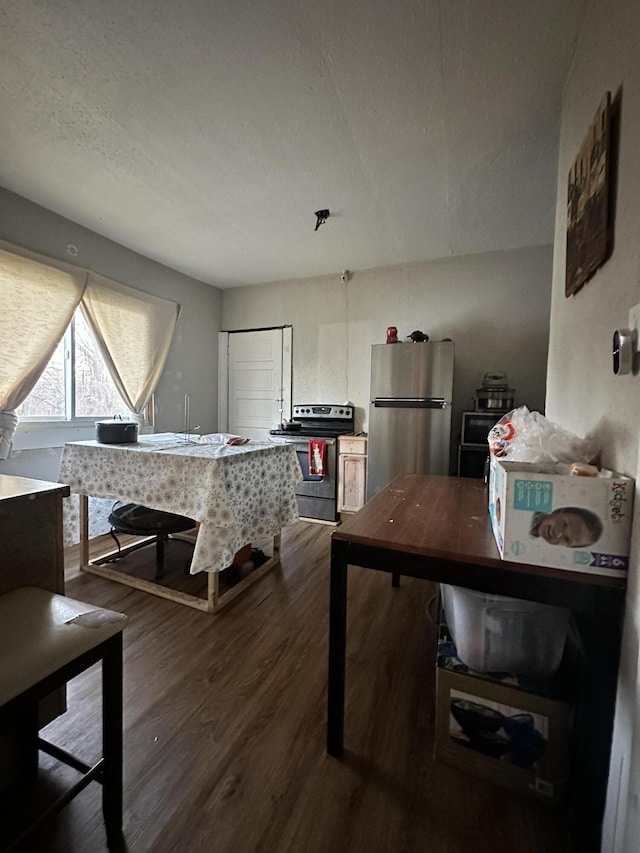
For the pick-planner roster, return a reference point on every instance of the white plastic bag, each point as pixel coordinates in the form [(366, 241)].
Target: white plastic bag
[(222, 438), (524, 436)]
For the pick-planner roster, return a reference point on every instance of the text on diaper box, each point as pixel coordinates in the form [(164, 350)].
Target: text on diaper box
[(601, 561), (534, 495), (619, 500)]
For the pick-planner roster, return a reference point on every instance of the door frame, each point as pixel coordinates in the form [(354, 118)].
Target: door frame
[(223, 371)]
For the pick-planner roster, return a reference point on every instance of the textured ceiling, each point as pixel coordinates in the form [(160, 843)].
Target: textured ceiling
[(204, 134)]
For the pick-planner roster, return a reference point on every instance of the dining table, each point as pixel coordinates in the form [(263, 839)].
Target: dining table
[(236, 494), (438, 529)]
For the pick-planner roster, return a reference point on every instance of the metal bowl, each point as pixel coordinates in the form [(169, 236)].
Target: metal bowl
[(494, 399)]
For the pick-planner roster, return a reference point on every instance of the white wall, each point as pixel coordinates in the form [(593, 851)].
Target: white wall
[(582, 392), (494, 306), (192, 362)]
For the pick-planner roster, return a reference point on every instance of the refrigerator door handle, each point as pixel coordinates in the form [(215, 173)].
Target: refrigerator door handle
[(410, 403)]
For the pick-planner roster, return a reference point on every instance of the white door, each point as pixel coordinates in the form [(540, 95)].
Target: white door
[(255, 381)]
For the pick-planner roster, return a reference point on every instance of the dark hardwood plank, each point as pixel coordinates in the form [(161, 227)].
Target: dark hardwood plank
[(225, 721)]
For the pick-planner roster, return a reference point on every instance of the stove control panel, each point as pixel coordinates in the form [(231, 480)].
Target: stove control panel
[(309, 410)]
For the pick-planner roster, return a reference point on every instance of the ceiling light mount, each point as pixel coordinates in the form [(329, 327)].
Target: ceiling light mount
[(321, 218)]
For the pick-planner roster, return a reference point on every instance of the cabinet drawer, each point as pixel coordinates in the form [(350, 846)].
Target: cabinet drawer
[(352, 444)]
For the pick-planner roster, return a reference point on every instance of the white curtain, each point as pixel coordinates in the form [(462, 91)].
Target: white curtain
[(134, 331), (37, 302)]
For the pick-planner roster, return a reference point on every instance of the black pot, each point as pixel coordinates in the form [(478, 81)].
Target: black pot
[(116, 431)]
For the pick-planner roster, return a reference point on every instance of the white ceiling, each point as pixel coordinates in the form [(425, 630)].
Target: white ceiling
[(205, 133)]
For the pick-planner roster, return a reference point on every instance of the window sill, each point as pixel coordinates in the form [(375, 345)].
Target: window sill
[(39, 436)]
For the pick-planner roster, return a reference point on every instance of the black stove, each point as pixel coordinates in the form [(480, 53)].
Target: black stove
[(319, 421)]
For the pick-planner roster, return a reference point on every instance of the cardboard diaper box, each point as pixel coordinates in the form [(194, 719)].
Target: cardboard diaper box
[(508, 736), (542, 515)]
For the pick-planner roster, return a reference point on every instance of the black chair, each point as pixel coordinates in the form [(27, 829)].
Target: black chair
[(138, 520)]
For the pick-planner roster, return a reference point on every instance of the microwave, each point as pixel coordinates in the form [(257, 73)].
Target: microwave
[(476, 426)]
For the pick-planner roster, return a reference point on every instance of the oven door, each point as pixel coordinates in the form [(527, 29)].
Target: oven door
[(315, 485), (317, 496)]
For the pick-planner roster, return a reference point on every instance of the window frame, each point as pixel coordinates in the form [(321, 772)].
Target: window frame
[(36, 432)]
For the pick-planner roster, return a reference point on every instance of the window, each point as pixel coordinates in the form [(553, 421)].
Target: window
[(39, 299), (75, 384)]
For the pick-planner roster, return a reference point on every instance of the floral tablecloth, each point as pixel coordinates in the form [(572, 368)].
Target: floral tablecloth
[(239, 494)]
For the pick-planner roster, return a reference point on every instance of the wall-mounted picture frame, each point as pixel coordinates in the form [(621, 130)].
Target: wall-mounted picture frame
[(588, 231)]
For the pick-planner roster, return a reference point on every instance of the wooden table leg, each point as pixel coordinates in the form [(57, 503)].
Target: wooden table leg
[(112, 737), (84, 531), (337, 647)]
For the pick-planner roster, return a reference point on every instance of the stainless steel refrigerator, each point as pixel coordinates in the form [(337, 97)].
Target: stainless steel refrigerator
[(409, 411)]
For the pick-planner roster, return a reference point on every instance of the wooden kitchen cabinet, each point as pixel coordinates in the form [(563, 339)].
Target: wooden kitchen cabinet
[(352, 467)]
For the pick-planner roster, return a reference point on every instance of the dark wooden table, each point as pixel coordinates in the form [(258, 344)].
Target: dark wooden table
[(31, 533), (438, 529)]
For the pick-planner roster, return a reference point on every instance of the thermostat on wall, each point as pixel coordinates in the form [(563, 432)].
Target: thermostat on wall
[(622, 351)]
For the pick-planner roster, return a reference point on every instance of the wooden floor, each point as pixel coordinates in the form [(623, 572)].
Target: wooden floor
[(225, 726)]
